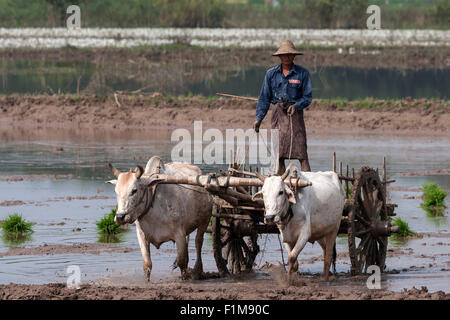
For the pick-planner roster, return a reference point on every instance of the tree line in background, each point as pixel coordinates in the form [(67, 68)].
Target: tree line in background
[(395, 14)]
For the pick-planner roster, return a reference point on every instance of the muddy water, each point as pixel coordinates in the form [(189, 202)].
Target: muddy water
[(64, 208)]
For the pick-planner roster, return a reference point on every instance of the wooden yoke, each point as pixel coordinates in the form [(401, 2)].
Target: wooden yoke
[(221, 181)]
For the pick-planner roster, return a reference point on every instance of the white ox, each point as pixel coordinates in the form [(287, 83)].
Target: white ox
[(315, 216), (164, 213)]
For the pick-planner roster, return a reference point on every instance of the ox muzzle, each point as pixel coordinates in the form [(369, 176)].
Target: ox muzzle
[(122, 218), (271, 219)]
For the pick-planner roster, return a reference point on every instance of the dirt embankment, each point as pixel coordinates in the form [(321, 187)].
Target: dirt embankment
[(157, 111), (232, 289)]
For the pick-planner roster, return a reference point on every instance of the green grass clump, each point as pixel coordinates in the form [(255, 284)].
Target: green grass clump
[(433, 195), (404, 231), (169, 99), (15, 224), (107, 226), (349, 192)]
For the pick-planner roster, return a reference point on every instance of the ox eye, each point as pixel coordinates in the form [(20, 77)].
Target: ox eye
[(133, 192), (280, 193)]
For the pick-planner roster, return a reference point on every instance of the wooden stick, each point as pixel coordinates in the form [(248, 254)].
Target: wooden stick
[(78, 86), (241, 189), (228, 191), (384, 176), (346, 181), (237, 97), (247, 173), (342, 177), (334, 162), (233, 216), (117, 99)]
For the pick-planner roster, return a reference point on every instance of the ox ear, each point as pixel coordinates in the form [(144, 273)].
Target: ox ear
[(257, 196), (151, 182), (290, 195), (114, 182)]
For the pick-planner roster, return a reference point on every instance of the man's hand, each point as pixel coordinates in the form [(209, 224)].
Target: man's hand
[(291, 110), (256, 125)]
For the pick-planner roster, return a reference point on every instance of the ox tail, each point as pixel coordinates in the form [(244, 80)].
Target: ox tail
[(334, 259)]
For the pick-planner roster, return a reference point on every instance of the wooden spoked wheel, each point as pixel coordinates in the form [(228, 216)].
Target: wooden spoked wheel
[(234, 243), (368, 227)]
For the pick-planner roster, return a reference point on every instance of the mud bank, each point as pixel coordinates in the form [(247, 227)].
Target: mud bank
[(311, 288), (160, 111), (83, 248), (426, 173)]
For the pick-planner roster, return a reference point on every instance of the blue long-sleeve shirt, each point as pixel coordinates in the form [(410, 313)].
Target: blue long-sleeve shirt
[(295, 88)]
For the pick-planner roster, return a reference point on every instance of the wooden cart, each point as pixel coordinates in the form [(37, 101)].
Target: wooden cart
[(237, 220)]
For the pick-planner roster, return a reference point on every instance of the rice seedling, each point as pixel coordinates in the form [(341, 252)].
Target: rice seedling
[(107, 225), (434, 198), (15, 224), (404, 230), (16, 230)]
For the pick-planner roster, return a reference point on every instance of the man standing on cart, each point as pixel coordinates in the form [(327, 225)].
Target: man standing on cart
[(288, 87)]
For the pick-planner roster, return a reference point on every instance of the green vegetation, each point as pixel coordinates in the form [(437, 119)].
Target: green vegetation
[(395, 14), (16, 230), (404, 229), (15, 224), (106, 225), (368, 103), (108, 230), (434, 198)]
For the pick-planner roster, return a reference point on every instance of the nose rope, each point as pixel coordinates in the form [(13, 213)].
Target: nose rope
[(292, 134), (267, 148), (147, 205), (284, 219)]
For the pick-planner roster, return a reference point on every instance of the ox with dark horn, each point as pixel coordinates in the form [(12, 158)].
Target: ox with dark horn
[(114, 170), (139, 171)]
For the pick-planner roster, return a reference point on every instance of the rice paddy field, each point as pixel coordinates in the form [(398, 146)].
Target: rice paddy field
[(72, 100)]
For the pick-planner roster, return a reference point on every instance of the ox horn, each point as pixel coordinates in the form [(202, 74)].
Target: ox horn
[(285, 175), (260, 176), (114, 170), (138, 171)]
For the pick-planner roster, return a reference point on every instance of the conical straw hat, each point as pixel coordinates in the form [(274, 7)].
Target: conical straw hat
[(286, 47)]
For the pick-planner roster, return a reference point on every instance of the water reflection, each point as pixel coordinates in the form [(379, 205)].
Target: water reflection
[(111, 238), (101, 77), (15, 240)]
